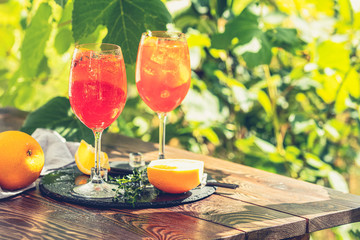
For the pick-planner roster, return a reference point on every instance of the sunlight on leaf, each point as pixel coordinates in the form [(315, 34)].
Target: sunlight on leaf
[(7, 40), (199, 40), (334, 55), (10, 13), (300, 123), (329, 87), (340, 101), (239, 5), (345, 11), (203, 107), (316, 162), (265, 146), (36, 36), (331, 132), (125, 21), (210, 134), (352, 83), (265, 103), (338, 182)]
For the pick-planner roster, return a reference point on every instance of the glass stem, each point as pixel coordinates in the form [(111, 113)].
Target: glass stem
[(162, 118), (96, 178)]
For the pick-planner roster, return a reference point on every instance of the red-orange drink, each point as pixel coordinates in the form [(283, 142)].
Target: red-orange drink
[(98, 88), (163, 73)]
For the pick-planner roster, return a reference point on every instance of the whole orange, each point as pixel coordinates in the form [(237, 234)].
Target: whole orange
[(21, 160)]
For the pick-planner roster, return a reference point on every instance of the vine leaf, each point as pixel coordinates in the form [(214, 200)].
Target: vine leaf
[(252, 43), (125, 20), (34, 43), (56, 114)]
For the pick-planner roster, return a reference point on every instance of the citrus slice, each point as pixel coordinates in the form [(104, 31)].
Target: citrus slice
[(175, 175), (150, 41), (85, 158)]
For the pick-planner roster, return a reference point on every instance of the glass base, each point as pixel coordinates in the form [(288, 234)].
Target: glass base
[(95, 190), (97, 187)]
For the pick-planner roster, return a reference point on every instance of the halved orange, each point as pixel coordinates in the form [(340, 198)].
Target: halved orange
[(175, 175), (85, 158)]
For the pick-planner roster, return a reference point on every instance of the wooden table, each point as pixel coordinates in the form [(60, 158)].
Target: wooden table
[(265, 206)]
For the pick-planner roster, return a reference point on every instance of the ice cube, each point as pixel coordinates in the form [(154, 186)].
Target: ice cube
[(149, 71), (159, 56)]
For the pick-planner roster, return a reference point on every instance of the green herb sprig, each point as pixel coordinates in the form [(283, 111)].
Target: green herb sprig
[(132, 187)]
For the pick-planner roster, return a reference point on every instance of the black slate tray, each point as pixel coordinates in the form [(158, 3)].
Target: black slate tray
[(59, 184)]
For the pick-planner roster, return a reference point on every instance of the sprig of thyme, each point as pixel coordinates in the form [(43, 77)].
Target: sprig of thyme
[(132, 186)]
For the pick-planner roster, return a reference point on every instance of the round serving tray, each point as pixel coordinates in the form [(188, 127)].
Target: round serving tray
[(59, 184)]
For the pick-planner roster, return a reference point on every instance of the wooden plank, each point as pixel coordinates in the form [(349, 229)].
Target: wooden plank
[(165, 224), (31, 217), (256, 221), (53, 219), (323, 207)]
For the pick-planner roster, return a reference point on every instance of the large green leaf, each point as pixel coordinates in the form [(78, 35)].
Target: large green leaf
[(250, 41), (286, 38), (124, 19), (36, 36), (258, 53), (244, 27), (63, 40), (57, 115), (247, 39)]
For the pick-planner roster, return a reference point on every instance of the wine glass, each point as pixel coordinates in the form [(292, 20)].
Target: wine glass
[(163, 74), (97, 94)]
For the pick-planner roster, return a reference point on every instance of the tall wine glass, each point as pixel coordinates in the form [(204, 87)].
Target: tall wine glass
[(97, 93), (163, 74)]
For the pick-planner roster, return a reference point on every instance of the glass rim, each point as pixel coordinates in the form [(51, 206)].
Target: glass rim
[(164, 34), (115, 47)]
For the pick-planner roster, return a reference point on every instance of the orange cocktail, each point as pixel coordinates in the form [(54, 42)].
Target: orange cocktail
[(163, 79), (97, 94), (163, 73), (98, 88)]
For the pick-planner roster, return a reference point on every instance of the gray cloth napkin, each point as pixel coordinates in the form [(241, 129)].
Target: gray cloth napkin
[(57, 151)]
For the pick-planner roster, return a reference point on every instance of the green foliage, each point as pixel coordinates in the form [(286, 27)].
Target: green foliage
[(34, 43), (125, 21), (286, 97), (275, 84), (57, 115)]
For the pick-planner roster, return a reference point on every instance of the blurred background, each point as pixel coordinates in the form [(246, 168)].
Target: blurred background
[(275, 83)]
